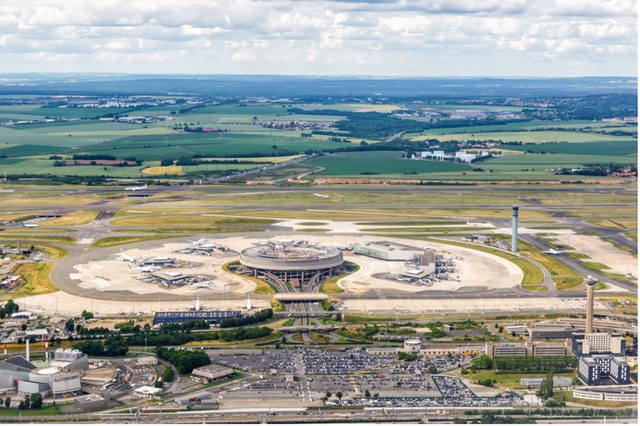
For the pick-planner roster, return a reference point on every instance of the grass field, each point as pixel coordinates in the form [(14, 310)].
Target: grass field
[(116, 241), (541, 136), (37, 279), (330, 286), (81, 217), (379, 164), (194, 220), (262, 287)]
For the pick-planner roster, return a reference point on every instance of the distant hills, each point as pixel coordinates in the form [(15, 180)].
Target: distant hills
[(271, 86)]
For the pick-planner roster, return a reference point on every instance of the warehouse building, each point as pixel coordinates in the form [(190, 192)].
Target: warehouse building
[(536, 382), (212, 372)]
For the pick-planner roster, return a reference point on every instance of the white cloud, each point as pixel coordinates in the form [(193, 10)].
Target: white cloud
[(495, 37)]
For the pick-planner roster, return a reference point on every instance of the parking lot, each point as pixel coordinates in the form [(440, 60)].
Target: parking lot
[(303, 377)]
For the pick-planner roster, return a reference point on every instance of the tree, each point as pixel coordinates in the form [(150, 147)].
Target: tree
[(367, 394), (27, 402), (36, 401), (7, 402), (546, 387), (70, 325), (86, 315), (21, 405), (432, 369), (167, 375), (339, 396)]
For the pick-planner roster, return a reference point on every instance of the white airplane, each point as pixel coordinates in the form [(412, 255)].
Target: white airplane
[(126, 257), (552, 251), (202, 243), (321, 195), (202, 284), (146, 268), (136, 188), (28, 225)]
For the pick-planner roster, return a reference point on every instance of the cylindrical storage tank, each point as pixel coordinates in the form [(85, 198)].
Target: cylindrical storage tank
[(412, 346)]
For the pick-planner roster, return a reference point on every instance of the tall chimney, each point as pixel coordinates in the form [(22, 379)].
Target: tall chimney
[(46, 349), (28, 348), (514, 228), (591, 284), (5, 351)]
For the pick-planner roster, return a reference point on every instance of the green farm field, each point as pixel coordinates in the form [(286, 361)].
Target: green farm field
[(528, 136), (379, 164)]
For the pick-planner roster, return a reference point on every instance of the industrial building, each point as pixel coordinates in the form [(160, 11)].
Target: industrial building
[(212, 317), (69, 359), (298, 263), (54, 381), (13, 370)]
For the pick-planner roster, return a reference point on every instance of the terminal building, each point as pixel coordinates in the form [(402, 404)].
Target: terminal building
[(298, 263), (387, 250), (212, 317)]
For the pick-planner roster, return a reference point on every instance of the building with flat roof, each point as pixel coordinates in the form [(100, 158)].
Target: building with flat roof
[(597, 343), (592, 370), (212, 317), (536, 382), (212, 372), (608, 393), (387, 250)]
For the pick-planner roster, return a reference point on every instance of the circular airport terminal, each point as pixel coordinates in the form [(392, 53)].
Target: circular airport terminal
[(298, 263)]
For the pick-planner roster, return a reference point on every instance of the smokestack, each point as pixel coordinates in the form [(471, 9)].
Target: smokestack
[(27, 348), (5, 351), (591, 284), (514, 229), (249, 301), (46, 349)]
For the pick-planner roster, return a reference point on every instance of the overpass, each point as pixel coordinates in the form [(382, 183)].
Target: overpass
[(297, 314), (300, 297)]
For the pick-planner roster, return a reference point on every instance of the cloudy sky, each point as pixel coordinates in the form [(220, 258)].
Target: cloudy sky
[(312, 37)]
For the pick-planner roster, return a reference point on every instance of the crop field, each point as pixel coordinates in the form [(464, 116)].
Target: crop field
[(379, 163), (544, 136), (618, 148)]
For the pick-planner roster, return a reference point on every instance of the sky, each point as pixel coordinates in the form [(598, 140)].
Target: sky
[(422, 38)]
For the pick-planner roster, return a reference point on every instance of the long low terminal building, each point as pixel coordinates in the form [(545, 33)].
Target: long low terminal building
[(212, 317)]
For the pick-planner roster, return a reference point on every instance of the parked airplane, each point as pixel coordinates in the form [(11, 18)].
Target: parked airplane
[(202, 243), (28, 225), (126, 257), (136, 188)]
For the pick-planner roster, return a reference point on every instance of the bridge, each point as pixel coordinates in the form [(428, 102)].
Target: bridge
[(298, 314), (303, 328)]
